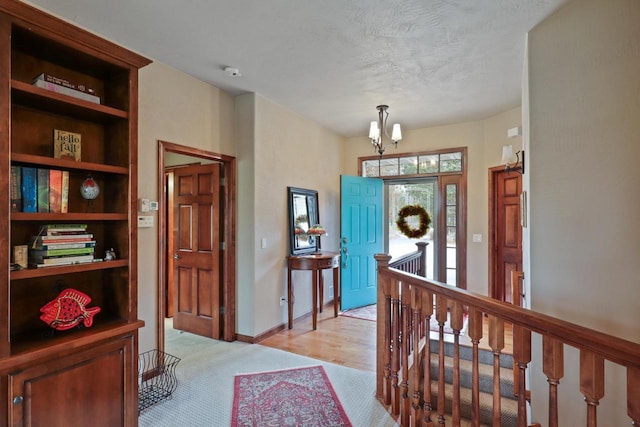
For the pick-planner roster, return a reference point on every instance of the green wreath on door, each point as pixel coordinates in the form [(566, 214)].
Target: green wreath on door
[(413, 210)]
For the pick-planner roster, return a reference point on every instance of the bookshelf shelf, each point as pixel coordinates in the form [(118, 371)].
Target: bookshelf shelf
[(30, 273), (68, 217), (37, 362), (32, 96), (20, 158)]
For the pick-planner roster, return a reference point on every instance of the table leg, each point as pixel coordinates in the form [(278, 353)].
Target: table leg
[(320, 290), (315, 299), (336, 285), (289, 299)]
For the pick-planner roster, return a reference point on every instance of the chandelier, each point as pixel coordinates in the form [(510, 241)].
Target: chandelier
[(378, 128)]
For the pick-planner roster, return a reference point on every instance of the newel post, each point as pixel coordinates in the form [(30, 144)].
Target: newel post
[(422, 248), (383, 331)]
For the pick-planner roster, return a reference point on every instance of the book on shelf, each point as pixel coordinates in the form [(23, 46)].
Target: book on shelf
[(64, 202), (64, 238), (29, 189), (66, 91), (67, 145), (45, 253), (61, 260), (15, 189), (52, 245), (43, 190), (55, 190), (64, 82), (55, 229)]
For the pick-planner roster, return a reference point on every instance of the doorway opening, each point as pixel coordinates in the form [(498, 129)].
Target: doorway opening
[(171, 155), (417, 191)]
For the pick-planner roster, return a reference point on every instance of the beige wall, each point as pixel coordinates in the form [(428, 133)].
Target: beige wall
[(177, 108), (286, 150), (275, 148), (484, 140), (584, 91)]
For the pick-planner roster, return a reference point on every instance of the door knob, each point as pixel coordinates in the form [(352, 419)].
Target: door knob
[(176, 256)]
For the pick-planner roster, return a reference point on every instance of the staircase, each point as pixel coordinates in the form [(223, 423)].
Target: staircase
[(509, 403)]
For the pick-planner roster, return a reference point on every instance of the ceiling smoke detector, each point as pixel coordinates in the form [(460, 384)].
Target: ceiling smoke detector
[(233, 72)]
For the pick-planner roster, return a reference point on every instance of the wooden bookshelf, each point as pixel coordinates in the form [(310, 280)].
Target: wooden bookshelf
[(36, 361)]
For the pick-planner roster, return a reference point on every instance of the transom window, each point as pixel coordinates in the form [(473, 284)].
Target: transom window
[(414, 164)]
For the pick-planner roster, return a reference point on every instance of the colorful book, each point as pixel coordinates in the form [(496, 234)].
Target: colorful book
[(64, 203), (63, 238), (58, 245), (67, 145), (52, 228), (15, 189), (43, 190), (63, 260), (55, 190), (64, 82), (44, 253), (29, 189), (66, 91)]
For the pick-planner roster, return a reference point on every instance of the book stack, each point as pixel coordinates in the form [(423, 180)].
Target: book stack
[(66, 87), (61, 244)]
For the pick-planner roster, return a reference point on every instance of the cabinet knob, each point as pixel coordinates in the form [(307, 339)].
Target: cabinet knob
[(18, 400)]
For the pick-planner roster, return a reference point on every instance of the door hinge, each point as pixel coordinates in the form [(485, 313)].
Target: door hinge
[(223, 182), (223, 246), (222, 309)]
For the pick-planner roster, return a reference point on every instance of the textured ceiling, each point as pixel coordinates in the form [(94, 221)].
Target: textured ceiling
[(432, 61)]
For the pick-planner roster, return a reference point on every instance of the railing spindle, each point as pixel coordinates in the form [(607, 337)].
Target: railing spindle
[(496, 342), (441, 317), (427, 304), (405, 341), (475, 335), (591, 383), (416, 303), (395, 349), (633, 391), (456, 322), (553, 368), (521, 358)]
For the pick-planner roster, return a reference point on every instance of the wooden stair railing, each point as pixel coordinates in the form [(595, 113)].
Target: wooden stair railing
[(414, 262), (403, 383)]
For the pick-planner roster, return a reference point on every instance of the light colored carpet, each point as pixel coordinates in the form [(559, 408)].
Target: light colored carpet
[(204, 396)]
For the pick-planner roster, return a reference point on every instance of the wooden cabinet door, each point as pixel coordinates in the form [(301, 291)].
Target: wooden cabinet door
[(89, 388)]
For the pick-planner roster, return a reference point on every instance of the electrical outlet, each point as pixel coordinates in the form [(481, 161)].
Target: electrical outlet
[(283, 300)]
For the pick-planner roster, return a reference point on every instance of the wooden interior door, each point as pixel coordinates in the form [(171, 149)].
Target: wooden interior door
[(506, 245), (196, 250)]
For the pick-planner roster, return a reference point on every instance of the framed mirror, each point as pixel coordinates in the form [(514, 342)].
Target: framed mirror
[(303, 214)]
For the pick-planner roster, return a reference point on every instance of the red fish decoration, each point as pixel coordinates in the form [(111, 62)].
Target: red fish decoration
[(68, 309)]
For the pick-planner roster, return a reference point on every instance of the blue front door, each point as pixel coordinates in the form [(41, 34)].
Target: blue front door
[(361, 201)]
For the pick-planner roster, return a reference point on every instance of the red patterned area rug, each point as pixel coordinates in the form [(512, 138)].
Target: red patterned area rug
[(292, 397)]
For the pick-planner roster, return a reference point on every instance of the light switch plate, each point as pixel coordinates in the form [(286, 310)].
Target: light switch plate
[(145, 221)]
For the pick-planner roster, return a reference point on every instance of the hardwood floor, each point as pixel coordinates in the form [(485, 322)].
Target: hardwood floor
[(347, 341), (341, 340)]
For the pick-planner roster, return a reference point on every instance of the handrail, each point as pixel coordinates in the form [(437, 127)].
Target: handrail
[(405, 300)]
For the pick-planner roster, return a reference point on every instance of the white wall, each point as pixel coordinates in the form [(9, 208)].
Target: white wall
[(484, 140), (584, 91)]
